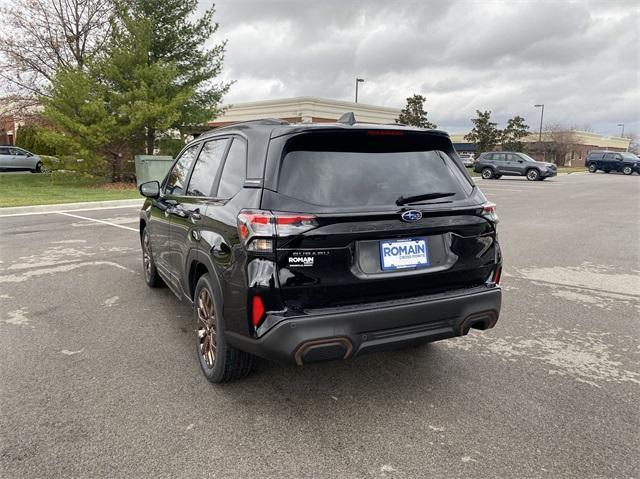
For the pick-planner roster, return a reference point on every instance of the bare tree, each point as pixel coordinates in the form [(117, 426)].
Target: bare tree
[(40, 36), (559, 141), (634, 144)]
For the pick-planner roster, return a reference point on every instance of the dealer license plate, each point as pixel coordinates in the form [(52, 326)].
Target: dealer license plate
[(403, 254)]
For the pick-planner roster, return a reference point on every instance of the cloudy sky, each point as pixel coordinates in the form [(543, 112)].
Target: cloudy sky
[(581, 59)]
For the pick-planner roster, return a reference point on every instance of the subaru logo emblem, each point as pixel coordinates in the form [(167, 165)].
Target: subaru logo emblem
[(411, 216)]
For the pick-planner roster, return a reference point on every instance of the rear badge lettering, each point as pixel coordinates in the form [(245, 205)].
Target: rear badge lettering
[(301, 261)]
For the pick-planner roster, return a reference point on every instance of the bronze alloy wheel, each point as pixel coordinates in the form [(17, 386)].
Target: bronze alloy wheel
[(206, 327), (146, 255)]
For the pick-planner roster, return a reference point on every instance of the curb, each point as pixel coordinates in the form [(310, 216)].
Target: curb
[(84, 206)]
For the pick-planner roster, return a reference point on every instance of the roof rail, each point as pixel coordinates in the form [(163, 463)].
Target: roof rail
[(348, 118), (261, 121)]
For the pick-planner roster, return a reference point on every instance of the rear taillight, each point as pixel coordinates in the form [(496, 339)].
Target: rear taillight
[(257, 228), (489, 212)]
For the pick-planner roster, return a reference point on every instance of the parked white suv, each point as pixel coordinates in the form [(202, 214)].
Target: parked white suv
[(468, 158)]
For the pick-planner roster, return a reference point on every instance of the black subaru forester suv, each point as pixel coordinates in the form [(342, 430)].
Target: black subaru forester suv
[(308, 242)]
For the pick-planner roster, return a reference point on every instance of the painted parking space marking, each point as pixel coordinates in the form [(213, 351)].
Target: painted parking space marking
[(35, 213), (98, 221)]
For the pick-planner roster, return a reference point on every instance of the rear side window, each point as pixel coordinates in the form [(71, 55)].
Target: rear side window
[(206, 168), (176, 180), (368, 174), (235, 169), (5, 151)]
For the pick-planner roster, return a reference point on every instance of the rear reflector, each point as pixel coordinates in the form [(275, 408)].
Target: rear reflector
[(257, 310), (495, 279)]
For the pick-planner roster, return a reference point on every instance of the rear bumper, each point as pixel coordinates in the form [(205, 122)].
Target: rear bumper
[(345, 332)]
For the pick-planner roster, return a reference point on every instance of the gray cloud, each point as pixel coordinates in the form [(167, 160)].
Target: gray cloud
[(579, 58)]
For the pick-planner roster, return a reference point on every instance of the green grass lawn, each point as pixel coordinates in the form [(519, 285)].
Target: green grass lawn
[(572, 169), (57, 187)]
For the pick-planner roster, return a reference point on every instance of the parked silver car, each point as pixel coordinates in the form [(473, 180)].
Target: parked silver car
[(14, 159), (468, 158)]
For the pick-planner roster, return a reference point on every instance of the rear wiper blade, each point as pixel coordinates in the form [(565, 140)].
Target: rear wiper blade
[(403, 200)]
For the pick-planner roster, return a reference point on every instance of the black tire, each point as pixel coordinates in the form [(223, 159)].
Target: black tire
[(607, 171), (593, 168), (487, 173), (627, 170), (533, 174), (219, 361), (151, 276), (542, 178), (38, 168)]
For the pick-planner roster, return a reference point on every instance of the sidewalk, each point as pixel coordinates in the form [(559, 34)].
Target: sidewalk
[(84, 206)]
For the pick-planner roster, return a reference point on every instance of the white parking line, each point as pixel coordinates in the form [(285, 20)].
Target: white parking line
[(495, 190), (98, 221), (32, 213)]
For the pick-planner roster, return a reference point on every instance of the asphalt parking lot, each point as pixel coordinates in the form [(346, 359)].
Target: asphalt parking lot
[(99, 377)]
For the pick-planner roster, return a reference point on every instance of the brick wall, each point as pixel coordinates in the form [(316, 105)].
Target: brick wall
[(7, 133)]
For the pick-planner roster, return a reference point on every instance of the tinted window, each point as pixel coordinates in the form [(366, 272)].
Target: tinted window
[(18, 152), (206, 168), (5, 151), (498, 157), (234, 171), (177, 177), (512, 157), (609, 156), (368, 178)]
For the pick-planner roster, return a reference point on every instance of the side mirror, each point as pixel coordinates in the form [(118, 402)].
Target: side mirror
[(150, 189), (520, 161)]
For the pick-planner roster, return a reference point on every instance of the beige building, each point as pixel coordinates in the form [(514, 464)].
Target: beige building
[(318, 110), (305, 109)]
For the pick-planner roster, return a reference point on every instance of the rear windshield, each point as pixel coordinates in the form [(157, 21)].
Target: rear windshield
[(369, 178)]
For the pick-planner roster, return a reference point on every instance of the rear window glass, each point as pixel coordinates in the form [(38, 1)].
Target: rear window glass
[(368, 178)]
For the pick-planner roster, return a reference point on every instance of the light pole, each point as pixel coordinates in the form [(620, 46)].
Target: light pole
[(358, 80), (621, 134), (541, 117)]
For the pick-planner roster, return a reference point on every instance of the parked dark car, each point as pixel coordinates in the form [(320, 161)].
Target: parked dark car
[(608, 161), (13, 158), (494, 164), (308, 242)]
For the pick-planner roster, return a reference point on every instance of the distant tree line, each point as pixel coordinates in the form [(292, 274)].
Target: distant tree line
[(557, 143)]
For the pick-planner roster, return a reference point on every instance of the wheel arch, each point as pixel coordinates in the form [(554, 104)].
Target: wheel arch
[(199, 265)]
